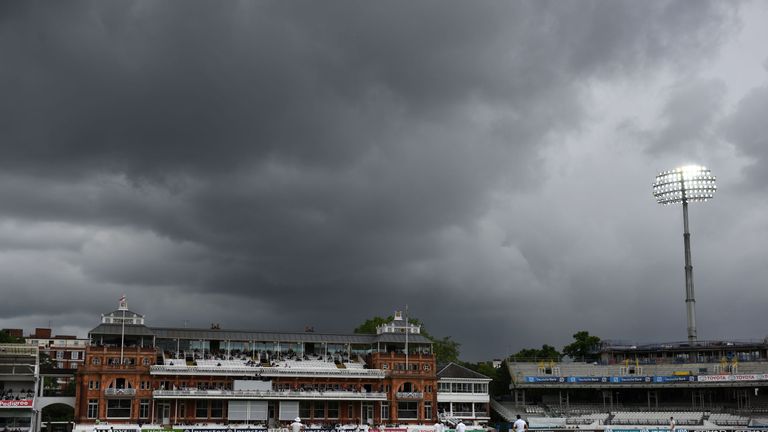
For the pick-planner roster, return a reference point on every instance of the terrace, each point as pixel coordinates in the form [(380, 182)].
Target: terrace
[(270, 394)]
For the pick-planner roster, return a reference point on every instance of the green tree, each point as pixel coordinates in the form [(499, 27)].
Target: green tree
[(501, 386), (7, 338), (446, 350), (546, 352), (584, 347), (46, 362), (550, 352), (50, 383), (369, 326)]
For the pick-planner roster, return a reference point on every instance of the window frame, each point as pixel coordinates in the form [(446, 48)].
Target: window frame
[(93, 409), (121, 402)]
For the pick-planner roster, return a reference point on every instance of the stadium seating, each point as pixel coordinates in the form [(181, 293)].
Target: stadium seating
[(534, 410), (585, 419), (521, 370), (657, 418), (546, 422), (349, 365), (722, 419)]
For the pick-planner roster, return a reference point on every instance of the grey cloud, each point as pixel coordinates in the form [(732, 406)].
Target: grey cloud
[(161, 92), (745, 128), (596, 31), (690, 116), (273, 162)]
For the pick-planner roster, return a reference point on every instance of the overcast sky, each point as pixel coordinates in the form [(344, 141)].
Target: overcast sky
[(272, 165)]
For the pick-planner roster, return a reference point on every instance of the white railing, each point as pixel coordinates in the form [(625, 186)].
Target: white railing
[(270, 394), (448, 418), (119, 392), (447, 392), (19, 349), (462, 414), (409, 395), (371, 373), (265, 371), (199, 370)]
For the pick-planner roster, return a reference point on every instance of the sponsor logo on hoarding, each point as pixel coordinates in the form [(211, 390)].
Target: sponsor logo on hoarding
[(23, 403), (645, 430), (713, 378), (752, 429), (588, 379), (113, 429), (534, 379), (205, 429), (640, 379), (741, 377), (673, 379), (632, 379)]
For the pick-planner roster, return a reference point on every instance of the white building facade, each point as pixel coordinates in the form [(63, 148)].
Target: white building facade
[(18, 387), (463, 394)]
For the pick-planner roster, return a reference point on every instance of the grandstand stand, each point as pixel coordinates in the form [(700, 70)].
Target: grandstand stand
[(723, 419), (587, 419), (547, 422), (656, 418)]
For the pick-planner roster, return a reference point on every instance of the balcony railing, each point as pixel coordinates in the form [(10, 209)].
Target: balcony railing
[(368, 373), (19, 349), (269, 394), (265, 371), (409, 395), (119, 392), (465, 414), (410, 372)]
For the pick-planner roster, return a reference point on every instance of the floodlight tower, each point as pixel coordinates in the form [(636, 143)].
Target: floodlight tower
[(683, 185)]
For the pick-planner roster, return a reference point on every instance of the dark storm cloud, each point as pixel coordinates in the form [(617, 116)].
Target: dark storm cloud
[(142, 89), (282, 161)]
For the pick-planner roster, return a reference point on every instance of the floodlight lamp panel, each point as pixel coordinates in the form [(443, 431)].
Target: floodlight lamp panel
[(689, 183)]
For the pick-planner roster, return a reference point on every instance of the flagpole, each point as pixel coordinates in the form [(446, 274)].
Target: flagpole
[(122, 330), (407, 330), (122, 338)]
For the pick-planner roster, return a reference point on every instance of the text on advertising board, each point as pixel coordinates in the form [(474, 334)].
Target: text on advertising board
[(23, 403)]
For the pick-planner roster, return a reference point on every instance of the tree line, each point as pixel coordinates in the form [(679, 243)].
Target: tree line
[(584, 348)]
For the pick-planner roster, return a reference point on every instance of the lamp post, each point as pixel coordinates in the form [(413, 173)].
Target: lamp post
[(686, 184)]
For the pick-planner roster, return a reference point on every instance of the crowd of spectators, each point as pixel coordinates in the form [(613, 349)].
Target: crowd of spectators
[(19, 394), (259, 358), (205, 386)]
